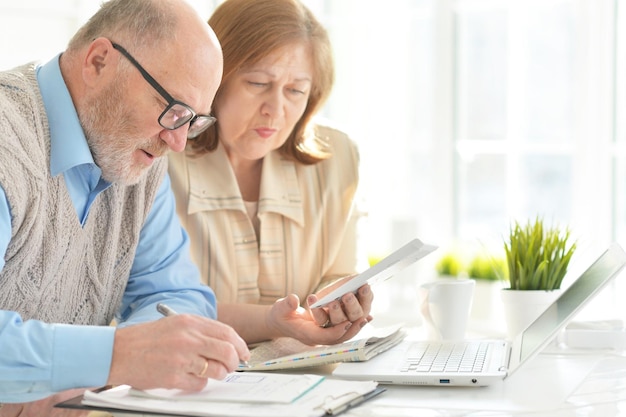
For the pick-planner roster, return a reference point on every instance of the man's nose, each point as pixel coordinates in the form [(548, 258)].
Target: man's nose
[(176, 139)]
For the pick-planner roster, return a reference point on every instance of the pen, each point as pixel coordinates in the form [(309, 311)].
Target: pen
[(168, 311)]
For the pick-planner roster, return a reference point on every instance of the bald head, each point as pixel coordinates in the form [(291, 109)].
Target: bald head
[(170, 55), (143, 24), (152, 30), (167, 37)]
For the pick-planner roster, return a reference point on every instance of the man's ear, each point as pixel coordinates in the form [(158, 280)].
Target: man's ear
[(100, 62)]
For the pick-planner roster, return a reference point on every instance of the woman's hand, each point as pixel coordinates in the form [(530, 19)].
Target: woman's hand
[(287, 318), (335, 323), (351, 307)]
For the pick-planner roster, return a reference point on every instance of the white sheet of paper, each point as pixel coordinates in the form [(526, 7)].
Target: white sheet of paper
[(254, 387), (385, 269), (327, 393)]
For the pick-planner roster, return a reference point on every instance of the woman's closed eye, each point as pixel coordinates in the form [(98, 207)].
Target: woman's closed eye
[(296, 91)]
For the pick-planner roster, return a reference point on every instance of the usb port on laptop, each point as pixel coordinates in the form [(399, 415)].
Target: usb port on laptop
[(444, 381)]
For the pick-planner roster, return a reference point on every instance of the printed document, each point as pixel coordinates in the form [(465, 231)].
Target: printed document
[(325, 397)]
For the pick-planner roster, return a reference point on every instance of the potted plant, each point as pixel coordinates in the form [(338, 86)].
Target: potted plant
[(450, 265), (537, 258), (487, 267)]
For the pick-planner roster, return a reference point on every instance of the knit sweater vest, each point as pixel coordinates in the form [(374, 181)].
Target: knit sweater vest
[(57, 271)]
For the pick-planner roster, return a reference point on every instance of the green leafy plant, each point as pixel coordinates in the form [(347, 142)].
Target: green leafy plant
[(450, 264), (486, 267), (537, 257)]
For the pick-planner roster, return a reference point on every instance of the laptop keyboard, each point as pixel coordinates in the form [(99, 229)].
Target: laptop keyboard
[(463, 356)]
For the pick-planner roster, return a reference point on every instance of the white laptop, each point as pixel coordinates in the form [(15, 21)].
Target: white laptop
[(494, 359)]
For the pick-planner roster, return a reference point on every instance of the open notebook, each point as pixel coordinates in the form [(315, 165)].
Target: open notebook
[(481, 362)]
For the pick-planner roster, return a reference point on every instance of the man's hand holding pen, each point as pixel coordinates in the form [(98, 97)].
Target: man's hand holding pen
[(167, 311), (179, 351)]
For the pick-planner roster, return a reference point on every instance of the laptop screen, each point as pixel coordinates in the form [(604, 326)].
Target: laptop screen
[(556, 317)]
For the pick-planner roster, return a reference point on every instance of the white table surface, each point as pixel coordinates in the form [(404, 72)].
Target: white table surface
[(559, 382), (554, 384)]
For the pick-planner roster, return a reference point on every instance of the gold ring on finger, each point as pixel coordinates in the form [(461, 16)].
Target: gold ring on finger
[(204, 369)]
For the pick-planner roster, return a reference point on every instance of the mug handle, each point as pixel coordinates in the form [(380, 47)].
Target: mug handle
[(425, 310)]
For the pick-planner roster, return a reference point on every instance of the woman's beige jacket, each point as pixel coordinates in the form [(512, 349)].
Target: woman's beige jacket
[(308, 222)]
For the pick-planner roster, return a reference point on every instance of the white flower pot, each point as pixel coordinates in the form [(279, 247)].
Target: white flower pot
[(522, 307)]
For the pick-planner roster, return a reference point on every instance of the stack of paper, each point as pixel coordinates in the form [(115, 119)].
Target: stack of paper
[(241, 395), (286, 353)]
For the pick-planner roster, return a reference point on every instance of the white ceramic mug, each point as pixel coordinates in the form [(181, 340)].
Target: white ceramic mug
[(445, 306)]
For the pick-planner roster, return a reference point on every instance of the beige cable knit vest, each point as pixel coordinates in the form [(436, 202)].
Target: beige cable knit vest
[(55, 270)]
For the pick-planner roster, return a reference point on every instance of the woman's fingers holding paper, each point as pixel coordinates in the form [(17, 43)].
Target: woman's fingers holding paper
[(351, 307)]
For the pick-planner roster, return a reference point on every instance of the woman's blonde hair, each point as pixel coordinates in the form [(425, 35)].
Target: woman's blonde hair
[(250, 30)]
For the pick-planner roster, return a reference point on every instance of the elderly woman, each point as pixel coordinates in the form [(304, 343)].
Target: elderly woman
[(266, 194)]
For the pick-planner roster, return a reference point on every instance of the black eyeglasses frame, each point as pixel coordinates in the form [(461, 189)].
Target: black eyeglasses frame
[(200, 120)]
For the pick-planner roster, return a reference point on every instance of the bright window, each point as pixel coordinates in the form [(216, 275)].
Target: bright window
[(469, 114)]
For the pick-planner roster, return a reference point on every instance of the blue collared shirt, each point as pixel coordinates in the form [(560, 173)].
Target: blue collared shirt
[(38, 359)]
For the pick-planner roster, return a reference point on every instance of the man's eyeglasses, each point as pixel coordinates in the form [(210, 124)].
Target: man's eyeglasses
[(176, 113)]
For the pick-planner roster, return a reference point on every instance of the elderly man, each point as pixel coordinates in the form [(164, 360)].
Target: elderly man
[(88, 231)]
